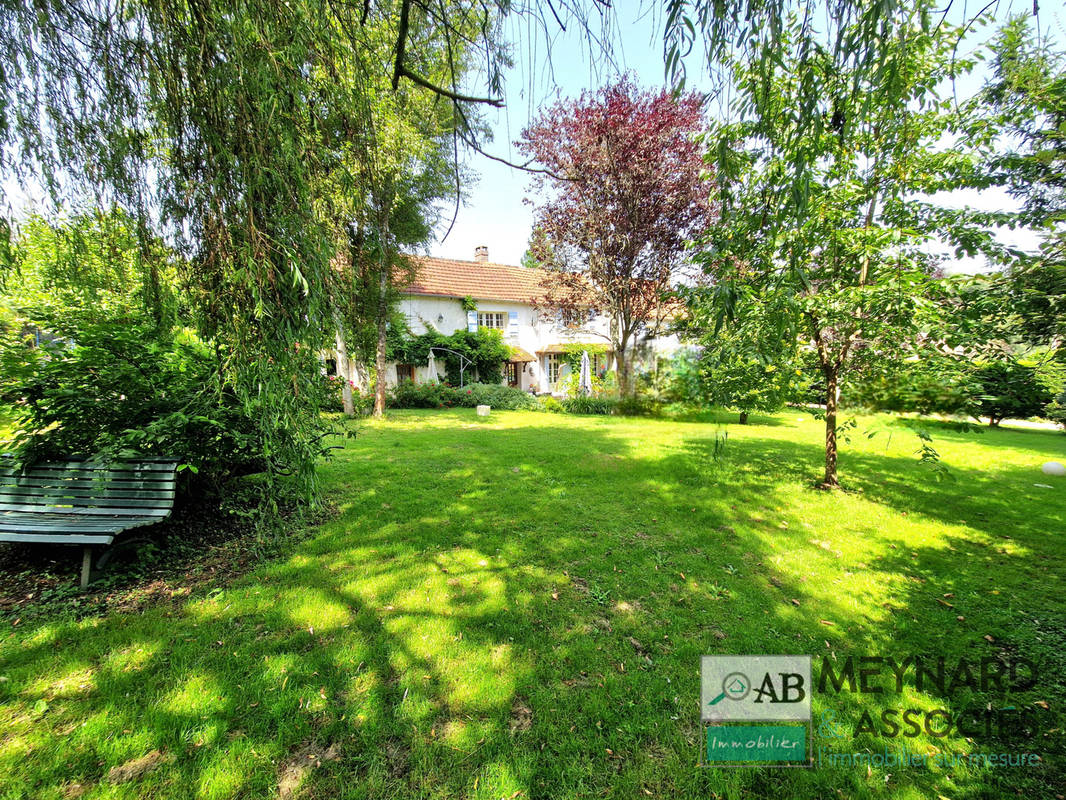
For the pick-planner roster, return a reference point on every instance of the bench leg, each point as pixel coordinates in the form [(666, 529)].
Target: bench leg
[(86, 565)]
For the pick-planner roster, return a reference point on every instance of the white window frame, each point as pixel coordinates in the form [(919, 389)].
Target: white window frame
[(496, 316), (553, 362)]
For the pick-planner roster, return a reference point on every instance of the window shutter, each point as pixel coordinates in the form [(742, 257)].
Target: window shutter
[(512, 323), (471, 321)]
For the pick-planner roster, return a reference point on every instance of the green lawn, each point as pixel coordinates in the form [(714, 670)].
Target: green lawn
[(516, 607)]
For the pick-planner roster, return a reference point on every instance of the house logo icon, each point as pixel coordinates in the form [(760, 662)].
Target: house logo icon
[(735, 686)]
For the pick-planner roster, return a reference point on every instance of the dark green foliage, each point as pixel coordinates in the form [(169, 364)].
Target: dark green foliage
[(443, 395), (248, 136), (930, 385), (638, 406), (1009, 389), (485, 348), (1056, 410), (590, 405), (95, 361), (363, 403), (121, 389), (572, 353)]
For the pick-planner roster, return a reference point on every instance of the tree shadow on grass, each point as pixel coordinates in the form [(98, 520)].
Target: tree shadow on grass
[(467, 627)]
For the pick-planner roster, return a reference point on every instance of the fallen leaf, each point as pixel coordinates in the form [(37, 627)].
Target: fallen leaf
[(826, 622), (989, 638), (794, 601)]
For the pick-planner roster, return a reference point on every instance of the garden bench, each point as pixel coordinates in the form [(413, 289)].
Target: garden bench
[(83, 502)]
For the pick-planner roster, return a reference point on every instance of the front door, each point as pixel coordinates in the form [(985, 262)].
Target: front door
[(511, 373)]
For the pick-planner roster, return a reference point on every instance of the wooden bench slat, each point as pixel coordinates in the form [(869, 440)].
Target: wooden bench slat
[(99, 511), (99, 466), (15, 521), (99, 476), (86, 491), (115, 494), (58, 538), (85, 483), (105, 506)]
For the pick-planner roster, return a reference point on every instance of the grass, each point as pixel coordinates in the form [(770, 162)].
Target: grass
[(515, 607)]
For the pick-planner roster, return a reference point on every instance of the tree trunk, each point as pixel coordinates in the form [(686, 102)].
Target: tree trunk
[(344, 369), (621, 358), (743, 417), (383, 313), (622, 366), (831, 396), (383, 305)]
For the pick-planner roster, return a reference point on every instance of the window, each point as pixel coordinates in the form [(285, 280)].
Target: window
[(331, 366), (405, 372), (554, 361), (492, 319)]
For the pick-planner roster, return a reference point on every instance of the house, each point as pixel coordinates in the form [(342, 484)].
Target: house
[(450, 295)]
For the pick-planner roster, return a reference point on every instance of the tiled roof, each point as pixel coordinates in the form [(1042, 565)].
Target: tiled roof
[(520, 355), (482, 280)]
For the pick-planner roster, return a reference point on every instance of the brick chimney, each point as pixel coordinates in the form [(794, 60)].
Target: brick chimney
[(481, 253)]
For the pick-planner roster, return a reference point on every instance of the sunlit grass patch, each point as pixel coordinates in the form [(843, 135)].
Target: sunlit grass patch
[(519, 605)]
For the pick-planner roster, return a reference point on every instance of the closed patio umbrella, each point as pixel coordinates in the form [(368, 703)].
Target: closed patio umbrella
[(584, 383), (431, 369)]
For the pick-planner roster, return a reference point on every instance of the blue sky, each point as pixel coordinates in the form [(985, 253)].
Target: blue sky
[(494, 213)]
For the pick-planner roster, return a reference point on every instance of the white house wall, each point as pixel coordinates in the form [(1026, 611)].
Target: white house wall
[(535, 331)]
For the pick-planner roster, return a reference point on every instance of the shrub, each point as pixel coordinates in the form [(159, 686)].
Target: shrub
[(1010, 389), (639, 406), (442, 395), (363, 403), (1056, 410), (590, 405), (932, 385), (119, 389), (422, 395), (506, 398), (550, 404)]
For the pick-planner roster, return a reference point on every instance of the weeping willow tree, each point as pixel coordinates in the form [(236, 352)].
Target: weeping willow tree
[(246, 135)]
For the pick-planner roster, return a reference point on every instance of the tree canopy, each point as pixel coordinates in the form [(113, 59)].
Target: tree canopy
[(823, 218), (624, 193)]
